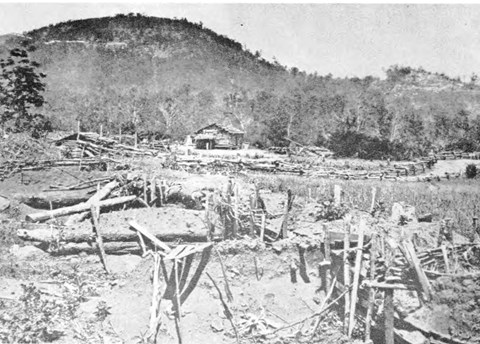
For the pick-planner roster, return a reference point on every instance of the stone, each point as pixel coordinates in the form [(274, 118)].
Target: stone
[(403, 213), (27, 252), (413, 337), (217, 325), (4, 204)]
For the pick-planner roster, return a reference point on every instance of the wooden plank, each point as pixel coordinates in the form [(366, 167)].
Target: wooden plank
[(420, 274), (150, 236)]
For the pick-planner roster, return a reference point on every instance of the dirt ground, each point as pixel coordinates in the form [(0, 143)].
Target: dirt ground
[(96, 307)]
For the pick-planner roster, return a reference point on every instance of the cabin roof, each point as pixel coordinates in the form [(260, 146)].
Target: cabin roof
[(228, 128)]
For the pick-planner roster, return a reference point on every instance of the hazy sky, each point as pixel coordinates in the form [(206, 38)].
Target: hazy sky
[(345, 40)]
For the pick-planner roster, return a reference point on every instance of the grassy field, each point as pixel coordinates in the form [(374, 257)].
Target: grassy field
[(456, 199)]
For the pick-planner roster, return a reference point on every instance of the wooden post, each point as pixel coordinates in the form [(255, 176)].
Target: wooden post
[(120, 135), (235, 212), (95, 210), (289, 203), (78, 130), (374, 193), (178, 313), (328, 259), (252, 224), (445, 258), (160, 189), (356, 276), (475, 228), (145, 198), (346, 274), (389, 312), (153, 192), (337, 195), (101, 130), (371, 293), (293, 271), (303, 263), (262, 229)]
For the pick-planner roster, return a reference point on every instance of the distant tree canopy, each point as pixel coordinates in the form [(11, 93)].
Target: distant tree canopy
[(21, 93), (168, 77)]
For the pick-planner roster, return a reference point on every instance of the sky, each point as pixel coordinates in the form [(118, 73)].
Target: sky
[(341, 39)]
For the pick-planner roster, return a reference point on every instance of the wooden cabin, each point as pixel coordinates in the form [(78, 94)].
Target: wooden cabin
[(218, 136)]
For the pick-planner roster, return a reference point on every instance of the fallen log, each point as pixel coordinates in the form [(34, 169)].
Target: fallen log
[(43, 216), (116, 228), (111, 235), (92, 248), (57, 199), (100, 195)]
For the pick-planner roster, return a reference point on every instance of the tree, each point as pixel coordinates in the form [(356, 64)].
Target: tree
[(21, 91)]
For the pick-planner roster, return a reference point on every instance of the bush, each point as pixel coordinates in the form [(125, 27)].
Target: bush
[(471, 171)]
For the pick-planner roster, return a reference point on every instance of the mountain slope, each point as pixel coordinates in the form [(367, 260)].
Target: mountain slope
[(169, 77)]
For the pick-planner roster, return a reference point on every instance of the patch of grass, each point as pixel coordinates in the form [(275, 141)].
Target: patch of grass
[(456, 199)]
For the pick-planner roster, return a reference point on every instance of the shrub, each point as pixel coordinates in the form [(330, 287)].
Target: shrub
[(471, 171)]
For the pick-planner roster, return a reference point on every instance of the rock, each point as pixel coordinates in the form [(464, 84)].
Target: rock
[(414, 337), (403, 213), (217, 325), (425, 218), (4, 204), (27, 252)]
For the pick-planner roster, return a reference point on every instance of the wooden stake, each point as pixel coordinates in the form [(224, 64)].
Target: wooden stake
[(445, 258), (178, 313), (412, 258), (374, 193), (145, 188), (235, 211), (160, 188), (303, 263), (371, 294), (78, 130), (346, 274), (153, 192), (389, 313), (328, 259), (101, 130), (95, 210), (262, 229), (356, 276), (288, 206)]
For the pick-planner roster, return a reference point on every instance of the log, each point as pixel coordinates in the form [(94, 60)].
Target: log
[(58, 199), (92, 248), (116, 228), (122, 234), (99, 196), (43, 216)]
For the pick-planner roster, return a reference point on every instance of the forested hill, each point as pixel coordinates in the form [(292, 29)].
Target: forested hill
[(169, 77)]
